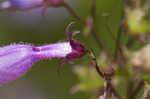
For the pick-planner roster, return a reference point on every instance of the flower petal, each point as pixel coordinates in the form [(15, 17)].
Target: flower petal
[(58, 50), (17, 59), (20, 4)]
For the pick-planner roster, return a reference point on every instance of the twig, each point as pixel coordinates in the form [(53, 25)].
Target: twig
[(105, 75), (93, 58), (99, 71)]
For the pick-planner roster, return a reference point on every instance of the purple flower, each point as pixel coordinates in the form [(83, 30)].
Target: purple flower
[(26, 4), (17, 59), (20, 4)]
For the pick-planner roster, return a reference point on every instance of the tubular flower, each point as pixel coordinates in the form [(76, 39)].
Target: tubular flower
[(20, 4), (17, 59), (27, 4)]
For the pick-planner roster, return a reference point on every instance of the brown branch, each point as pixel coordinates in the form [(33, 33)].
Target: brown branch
[(93, 58)]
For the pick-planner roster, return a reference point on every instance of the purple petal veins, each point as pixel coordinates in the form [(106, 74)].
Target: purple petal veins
[(17, 59)]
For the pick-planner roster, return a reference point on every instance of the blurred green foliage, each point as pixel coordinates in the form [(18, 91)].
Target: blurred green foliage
[(18, 27)]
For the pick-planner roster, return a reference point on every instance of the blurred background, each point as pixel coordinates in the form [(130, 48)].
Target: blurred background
[(30, 27)]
